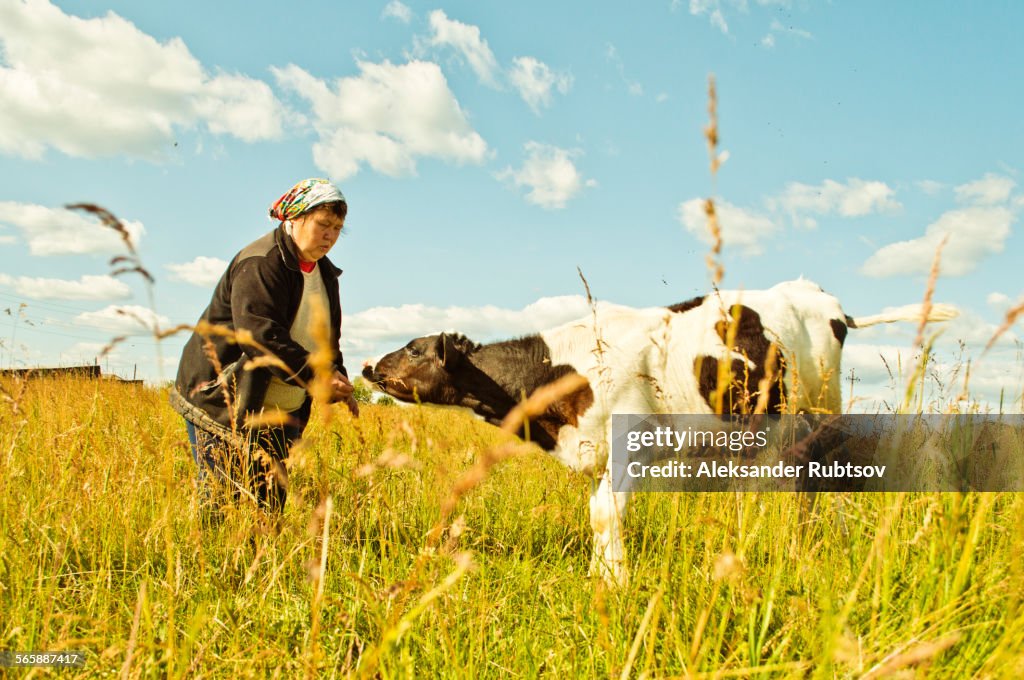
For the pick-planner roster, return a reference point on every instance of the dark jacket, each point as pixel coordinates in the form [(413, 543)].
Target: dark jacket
[(260, 292)]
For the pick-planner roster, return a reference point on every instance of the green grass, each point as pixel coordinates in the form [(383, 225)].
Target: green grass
[(100, 538)]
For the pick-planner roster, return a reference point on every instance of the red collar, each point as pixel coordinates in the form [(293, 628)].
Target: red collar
[(307, 266)]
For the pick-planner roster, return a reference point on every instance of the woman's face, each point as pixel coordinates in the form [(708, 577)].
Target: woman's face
[(316, 232)]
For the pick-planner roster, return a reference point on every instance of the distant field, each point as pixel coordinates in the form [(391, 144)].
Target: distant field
[(101, 550)]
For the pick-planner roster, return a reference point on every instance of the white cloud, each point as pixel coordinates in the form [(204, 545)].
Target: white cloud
[(550, 174), (930, 186), (240, 106), (202, 271), (88, 287), (712, 9), (715, 11), (123, 320), (998, 300), (974, 330), (855, 198), (55, 231), (466, 40), (974, 233), (531, 78), (397, 10), (997, 385), (632, 86), (93, 87), (1001, 303), (741, 228), (989, 190), (778, 28), (385, 117), (535, 80), (382, 329), (89, 351)]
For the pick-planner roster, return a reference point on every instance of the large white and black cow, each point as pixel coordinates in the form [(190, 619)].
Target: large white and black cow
[(653, 360)]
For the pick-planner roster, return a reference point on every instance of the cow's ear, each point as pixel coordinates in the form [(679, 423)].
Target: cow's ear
[(449, 349)]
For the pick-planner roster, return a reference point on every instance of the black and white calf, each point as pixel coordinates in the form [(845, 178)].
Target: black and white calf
[(654, 360)]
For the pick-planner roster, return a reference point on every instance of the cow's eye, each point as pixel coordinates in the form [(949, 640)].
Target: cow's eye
[(413, 352)]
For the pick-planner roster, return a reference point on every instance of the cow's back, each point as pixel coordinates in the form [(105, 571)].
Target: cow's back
[(647, 360), (808, 326), (635, 363)]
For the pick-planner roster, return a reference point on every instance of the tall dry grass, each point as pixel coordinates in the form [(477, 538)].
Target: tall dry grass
[(101, 552)]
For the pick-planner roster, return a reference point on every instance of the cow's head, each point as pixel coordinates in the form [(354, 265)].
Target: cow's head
[(423, 370)]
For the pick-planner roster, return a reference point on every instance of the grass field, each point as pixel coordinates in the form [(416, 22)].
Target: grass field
[(101, 550)]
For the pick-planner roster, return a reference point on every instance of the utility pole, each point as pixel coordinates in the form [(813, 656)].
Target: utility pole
[(852, 379)]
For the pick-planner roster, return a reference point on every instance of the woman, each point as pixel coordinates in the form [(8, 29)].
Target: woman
[(243, 415)]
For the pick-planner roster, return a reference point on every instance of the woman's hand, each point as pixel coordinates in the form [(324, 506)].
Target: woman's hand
[(353, 406), (342, 390)]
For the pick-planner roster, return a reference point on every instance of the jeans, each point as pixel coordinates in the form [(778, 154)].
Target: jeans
[(262, 478)]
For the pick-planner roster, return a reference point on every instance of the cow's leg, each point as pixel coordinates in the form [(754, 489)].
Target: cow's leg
[(607, 510)]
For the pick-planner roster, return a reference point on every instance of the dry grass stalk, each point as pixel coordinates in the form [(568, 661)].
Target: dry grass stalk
[(541, 398), (725, 374), (107, 218), (964, 394), (929, 292), (921, 653), (131, 262), (124, 264), (764, 386), (1011, 318), (271, 418), (786, 669), (659, 393), (321, 359), (318, 572), (592, 303), (915, 383), (586, 286), (603, 371), (14, 399), (645, 622), (369, 663), (266, 361), (154, 329), (711, 131), (702, 622), (711, 135), (134, 635), (712, 258), (173, 331), (127, 264)]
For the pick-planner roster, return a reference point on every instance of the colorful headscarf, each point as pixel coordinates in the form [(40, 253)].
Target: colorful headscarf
[(307, 194)]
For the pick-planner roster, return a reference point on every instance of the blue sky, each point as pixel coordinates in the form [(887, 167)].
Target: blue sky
[(489, 149)]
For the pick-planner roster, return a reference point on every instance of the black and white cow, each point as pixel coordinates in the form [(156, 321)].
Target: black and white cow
[(653, 360)]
